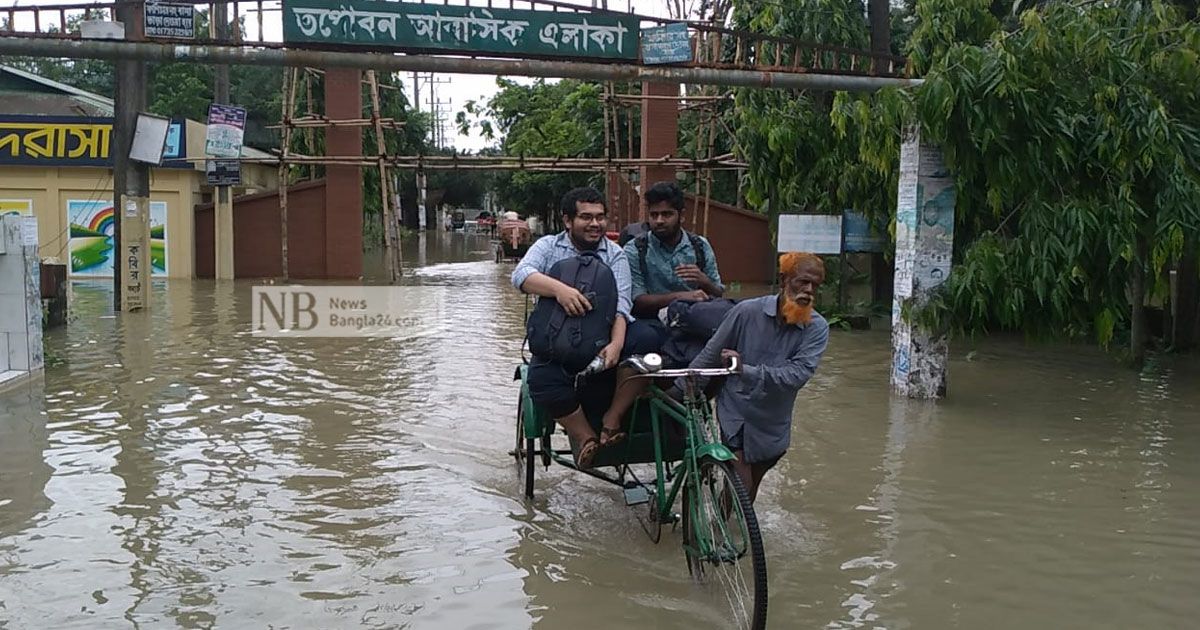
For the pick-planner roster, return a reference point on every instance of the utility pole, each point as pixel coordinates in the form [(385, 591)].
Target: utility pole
[(223, 198), (131, 178)]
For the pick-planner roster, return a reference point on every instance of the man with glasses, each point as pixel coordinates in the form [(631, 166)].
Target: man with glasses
[(551, 386)]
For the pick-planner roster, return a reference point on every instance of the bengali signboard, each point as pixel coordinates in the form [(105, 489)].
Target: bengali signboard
[(226, 127), (69, 141), (223, 172), (666, 44), (169, 20), (55, 141), (402, 25), (813, 233), (859, 237)]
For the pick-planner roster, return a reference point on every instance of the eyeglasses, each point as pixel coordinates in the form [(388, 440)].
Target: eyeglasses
[(592, 218)]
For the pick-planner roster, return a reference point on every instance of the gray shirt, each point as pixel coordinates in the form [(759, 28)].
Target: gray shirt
[(777, 360)]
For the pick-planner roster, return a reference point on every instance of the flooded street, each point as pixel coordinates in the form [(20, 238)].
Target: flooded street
[(173, 470)]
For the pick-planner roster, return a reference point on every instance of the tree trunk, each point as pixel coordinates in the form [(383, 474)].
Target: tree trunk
[(1138, 331), (1187, 299), (879, 15)]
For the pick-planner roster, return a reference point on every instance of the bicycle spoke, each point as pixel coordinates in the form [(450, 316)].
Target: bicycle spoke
[(722, 526)]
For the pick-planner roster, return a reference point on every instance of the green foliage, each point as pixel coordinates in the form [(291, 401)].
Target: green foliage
[(1072, 129), (801, 157), (560, 119)]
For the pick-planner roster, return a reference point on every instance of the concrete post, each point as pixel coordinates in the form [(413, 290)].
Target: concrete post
[(222, 195), (924, 244), (131, 179), (20, 300)]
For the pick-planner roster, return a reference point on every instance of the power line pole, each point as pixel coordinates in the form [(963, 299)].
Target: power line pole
[(131, 178), (223, 198)]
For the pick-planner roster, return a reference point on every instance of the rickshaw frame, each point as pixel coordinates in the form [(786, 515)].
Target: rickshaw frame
[(684, 469)]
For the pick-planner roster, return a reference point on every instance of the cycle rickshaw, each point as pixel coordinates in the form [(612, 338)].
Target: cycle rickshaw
[(721, 538)]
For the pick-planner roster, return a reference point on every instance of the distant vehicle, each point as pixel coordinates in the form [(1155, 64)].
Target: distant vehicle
[(458, 220), (515, 239)]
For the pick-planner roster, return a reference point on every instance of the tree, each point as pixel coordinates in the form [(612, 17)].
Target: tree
[(542, 119), (1073, 135)]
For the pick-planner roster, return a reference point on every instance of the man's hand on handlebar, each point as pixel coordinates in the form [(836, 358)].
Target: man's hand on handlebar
[(732, 359)]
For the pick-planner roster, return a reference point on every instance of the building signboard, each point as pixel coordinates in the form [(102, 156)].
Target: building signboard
[(813, 233), (666, 44), (69, 141), (223, 172), (859, 237), (410, 26), (170, 20)]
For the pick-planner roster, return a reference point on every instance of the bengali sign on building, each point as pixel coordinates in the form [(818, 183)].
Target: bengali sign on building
[(397, 25), (170, 20), (69, 141), (666, 44)]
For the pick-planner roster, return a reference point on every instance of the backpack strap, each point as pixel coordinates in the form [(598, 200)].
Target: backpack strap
[(642, 242), (698, 247)]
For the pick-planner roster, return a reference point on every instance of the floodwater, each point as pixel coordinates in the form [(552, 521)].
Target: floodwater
[(173, 471)]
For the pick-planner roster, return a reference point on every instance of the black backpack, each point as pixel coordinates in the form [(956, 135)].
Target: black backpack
[(642, 243), (574, 341), (690, 325)]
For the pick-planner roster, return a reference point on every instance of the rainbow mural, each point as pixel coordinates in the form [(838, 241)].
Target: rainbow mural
[(91, 237), (103, 222)]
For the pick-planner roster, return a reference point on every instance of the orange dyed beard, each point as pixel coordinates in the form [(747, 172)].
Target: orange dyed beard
[(794, 313)]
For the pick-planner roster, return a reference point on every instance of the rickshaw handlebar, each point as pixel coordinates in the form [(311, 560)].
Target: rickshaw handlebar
[(733, 367)]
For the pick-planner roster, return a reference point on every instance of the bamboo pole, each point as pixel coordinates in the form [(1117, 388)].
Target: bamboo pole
[(289, 94), (309, 134), (708, 172), (391, 240)]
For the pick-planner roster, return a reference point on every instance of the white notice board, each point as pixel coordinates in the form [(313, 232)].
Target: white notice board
[(813, 233)]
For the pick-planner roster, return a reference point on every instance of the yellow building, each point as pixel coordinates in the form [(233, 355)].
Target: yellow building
[(55, 143)]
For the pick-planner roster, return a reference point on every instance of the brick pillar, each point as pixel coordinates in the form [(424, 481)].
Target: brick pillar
[(343, 189), (660, 136)]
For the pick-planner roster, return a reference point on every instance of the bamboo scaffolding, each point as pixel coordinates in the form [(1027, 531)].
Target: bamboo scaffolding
[(503, 162), (321, 121), (391, 236), (289, 95)]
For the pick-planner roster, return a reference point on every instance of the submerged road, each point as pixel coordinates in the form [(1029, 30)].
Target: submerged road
[(172, 470)]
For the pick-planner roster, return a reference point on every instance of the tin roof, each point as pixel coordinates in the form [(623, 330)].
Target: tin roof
[(25, 93)]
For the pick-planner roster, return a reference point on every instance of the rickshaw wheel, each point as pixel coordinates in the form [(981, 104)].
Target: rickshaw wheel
[(652, 522), (740, 579), (524, 450)]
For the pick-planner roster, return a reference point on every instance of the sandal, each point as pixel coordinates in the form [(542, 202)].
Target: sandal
[(612, 437), (587, 452)]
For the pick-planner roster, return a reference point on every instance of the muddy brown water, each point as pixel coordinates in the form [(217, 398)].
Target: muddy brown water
[(173, 471)]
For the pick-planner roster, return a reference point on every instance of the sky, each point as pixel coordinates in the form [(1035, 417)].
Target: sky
[(458, 89)]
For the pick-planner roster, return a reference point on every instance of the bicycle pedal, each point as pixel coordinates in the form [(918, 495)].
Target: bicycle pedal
[(636, 496)]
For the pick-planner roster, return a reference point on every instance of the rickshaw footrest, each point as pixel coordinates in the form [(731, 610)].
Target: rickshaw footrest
[(636, 496)]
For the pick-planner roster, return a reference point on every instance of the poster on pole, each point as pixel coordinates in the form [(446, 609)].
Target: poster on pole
[(813, 233), (226, 128)]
